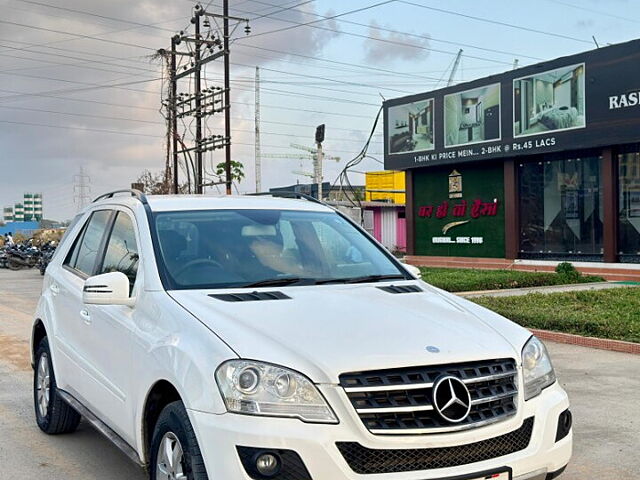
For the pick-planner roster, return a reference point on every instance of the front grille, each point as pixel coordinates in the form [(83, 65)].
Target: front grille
[(364, 460), (399, 401)]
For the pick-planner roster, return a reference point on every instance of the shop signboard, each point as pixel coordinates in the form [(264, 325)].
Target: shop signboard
[(459, 212), (587, 100)]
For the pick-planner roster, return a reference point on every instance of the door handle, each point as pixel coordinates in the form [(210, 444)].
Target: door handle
[(86, 318), (55, 289)]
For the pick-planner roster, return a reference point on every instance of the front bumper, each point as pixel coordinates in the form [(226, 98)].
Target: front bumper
[(219, 435)]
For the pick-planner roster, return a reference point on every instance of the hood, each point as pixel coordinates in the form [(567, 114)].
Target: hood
[(323, 331)]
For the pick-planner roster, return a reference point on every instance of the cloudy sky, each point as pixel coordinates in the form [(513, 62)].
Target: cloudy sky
[(78, 87)]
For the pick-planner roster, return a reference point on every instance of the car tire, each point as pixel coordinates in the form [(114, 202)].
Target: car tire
[(53, 415), (174, 430)]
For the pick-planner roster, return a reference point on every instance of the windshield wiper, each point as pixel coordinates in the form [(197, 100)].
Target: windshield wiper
[(275, 282), (363, 279)]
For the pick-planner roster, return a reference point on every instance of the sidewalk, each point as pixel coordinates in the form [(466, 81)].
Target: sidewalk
[(510, 292)]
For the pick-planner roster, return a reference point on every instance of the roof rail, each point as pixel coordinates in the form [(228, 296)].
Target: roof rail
[(134, 193), (289, 194)]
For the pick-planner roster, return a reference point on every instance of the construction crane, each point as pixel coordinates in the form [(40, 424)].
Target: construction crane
[(302, 173), (313, 155), (454, 69)]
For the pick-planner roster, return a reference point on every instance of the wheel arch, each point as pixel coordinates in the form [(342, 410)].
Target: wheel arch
[(161, 393), (38, 332)]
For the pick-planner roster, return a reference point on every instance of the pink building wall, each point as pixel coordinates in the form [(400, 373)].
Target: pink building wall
[(401, 233), (377, 224)]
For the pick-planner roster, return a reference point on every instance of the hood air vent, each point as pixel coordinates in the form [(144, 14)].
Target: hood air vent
[(249, 297), (401, 289)]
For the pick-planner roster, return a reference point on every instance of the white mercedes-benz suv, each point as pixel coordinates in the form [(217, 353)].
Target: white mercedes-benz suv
[(262, 337)]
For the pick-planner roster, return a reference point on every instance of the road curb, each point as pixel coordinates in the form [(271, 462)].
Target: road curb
[(591, 342)]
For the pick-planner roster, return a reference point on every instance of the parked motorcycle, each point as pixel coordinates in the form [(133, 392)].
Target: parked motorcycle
[(22, 256), (3, 259), (46, 253)]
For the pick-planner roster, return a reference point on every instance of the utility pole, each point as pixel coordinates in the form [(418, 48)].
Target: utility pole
[(81, 189), (257, 139), (200, 103), (198, 99), (173, 117), (227, 96)]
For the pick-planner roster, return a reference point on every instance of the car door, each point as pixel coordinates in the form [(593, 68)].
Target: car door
[(75, 370), (109, 336)]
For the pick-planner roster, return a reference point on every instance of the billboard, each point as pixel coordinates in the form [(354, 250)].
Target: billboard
[(587, 100), (411, 127), (472, 116), (550, 101)]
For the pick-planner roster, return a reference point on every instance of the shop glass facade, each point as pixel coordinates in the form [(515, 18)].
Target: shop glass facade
[(629, 207), (561, 209)]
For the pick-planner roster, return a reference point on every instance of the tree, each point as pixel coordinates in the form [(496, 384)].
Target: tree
[(237, 170), (156, 184)]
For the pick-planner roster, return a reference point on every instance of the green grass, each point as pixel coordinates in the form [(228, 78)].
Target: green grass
[(612, 313), (467, 280)]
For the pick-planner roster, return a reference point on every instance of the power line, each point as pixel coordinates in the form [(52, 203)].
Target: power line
[(104, 17), (87, 129), (409, 34), (49, 63), (369, 37), (332, 17), (140, 46), (599, 12), (90, 86), (120, 132), (496, 22), (284, 9), (97, 102), (135, 58), (287, 124), (152, 122), (296, 25), (76, 35)]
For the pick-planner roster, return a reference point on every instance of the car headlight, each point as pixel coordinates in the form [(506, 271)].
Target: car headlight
[(537, 369), (257, 388)]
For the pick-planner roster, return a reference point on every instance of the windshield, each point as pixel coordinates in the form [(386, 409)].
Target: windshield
[(250, 248)]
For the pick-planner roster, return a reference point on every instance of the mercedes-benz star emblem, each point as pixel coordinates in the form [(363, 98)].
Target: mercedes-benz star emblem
[(451, 399)]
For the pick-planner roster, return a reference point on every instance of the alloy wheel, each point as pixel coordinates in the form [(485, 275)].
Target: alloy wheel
[(43, 385), (170, 460)]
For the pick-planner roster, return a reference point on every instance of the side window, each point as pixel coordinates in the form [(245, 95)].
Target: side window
[(122, 251), (72, 224), (84, 254)]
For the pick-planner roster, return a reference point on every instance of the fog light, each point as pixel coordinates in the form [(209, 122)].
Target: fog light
[(267, 464), (565, 420)]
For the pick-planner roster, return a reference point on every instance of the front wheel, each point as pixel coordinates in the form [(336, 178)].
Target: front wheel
[(175, 453), (15, 264), (53, 414)]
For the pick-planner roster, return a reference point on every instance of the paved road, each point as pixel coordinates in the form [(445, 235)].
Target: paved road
[(604, 388)]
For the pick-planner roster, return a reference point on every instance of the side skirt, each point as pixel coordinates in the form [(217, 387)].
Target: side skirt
[(101, 427)]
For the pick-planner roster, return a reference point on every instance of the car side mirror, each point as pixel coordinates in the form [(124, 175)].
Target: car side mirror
[(413, 270), (107, 289)]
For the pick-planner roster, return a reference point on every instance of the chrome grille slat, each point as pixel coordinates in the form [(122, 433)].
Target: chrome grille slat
[(399, 401), (416, 408), (482, 400), (416, 386)]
